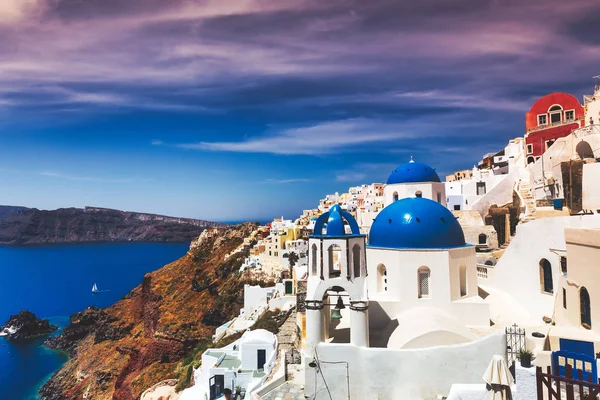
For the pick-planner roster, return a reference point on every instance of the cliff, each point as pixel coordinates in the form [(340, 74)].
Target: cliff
[(146, 337), (22, 226)]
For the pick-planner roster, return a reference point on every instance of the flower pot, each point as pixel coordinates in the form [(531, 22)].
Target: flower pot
[(526, 363)]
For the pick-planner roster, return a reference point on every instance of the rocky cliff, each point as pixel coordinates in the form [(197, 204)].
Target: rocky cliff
[(25, 326), (118, 352), (22, 226)]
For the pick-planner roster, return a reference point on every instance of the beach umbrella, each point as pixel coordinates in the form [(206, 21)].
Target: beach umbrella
[(498, 380)]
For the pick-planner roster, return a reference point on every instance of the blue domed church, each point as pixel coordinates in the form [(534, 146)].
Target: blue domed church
[(412, 284), (414, 179)]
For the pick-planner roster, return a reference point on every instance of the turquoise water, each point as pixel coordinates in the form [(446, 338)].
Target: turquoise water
[(55, 282)]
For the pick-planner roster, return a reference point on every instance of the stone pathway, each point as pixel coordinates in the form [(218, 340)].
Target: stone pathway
[(287, 391)]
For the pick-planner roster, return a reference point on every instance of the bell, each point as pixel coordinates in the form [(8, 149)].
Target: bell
[(340, 303), (336, 314)]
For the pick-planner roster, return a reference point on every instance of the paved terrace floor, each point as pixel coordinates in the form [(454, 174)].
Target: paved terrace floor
[(287, 391)]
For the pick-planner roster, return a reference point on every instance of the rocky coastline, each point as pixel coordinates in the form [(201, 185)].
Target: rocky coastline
[(26, 326), (120, 351), (22, 226)]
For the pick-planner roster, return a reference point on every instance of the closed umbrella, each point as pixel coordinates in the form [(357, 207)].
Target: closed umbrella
[(498, 379)]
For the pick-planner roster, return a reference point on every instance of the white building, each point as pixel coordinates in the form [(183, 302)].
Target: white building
[(245, 363), (400, 314), (489, 186), (300, 247), (591, 104)]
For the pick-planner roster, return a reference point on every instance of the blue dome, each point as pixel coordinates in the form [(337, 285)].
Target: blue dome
[(413, 172), (416, 223), (333, 223)]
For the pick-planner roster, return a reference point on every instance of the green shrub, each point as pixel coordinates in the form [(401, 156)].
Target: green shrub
[(185, 380)]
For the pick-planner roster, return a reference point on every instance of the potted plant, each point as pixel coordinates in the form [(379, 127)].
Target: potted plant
[(525, 356), (238, 392)]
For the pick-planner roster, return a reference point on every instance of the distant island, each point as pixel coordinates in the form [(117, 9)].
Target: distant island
[(30, 226)]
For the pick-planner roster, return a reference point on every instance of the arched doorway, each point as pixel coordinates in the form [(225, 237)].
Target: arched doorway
[(530, 160), (546, 283), (584, 150), (585, 308), (395, 196)]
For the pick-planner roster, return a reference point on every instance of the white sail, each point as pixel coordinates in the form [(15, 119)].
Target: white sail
[(94, 288)]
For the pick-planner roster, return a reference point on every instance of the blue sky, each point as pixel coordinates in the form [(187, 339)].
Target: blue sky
[(230, 110)]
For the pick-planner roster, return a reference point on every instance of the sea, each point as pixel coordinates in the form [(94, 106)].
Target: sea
[(56, 281)]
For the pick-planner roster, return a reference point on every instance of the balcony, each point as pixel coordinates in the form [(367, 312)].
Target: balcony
[(554, 124)]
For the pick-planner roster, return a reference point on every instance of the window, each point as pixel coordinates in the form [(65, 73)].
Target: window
[(549, 143), (314, 260), (546, 276), (480, 188), (423, 276), (563, 265), (529, 149), (564, 298), (335, 262), (381, 278), (555, 114), (463, 280), (439, 198), (570, 115), (356, 260), (482, 238), (542, 119), (584, 304), (530, 160), (457, 207), (395, 196)]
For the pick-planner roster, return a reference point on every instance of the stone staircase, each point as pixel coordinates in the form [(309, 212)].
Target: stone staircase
[(527, 195)]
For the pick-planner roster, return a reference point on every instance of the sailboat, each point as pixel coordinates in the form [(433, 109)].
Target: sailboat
[(95, 289)]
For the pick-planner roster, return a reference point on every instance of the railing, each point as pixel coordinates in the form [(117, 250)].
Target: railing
[(554, 124), (585, 131), (482, 272), (564, 387)]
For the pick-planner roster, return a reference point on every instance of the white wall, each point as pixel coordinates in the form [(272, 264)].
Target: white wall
[(400, 374), (444, 284), (464, 191), (429, 190), (517, 271), (548, 167), (592, 110), (254, 297), (249, 353), (500, 194), (591, 186)]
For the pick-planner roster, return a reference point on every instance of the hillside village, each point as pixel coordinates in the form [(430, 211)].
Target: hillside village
[(414, 288)]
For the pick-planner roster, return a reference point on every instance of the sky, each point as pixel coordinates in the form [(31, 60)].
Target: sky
[(253, 109)]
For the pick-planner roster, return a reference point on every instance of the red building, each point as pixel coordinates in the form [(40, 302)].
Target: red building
[(551, 117)]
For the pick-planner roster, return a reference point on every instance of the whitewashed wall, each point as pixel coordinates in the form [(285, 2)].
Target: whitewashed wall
[(399, 374), (517, 271), (591, 187), (429, 190), (500, 194), (254, 297)]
